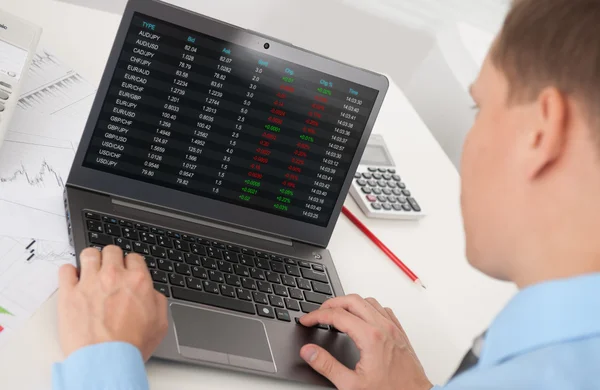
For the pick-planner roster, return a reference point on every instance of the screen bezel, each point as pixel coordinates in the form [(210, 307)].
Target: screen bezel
[(197, 205)]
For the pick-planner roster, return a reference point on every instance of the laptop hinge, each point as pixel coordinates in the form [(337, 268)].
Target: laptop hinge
[(199, 221)]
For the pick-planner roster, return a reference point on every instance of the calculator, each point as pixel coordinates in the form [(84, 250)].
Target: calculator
[(378, 187), (18, 42)]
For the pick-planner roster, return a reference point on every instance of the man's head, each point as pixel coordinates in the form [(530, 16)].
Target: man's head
[(531, 169)]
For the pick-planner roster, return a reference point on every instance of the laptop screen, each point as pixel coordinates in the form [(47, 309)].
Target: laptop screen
[(198, 114)]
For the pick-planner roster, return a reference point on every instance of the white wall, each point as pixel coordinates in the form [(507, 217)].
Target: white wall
[(435, 15), (439, 89), (409, 40), (325, 26)]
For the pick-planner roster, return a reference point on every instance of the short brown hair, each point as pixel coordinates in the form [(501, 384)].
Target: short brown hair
[(551, 43)]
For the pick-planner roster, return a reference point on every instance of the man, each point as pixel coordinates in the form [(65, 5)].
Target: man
[(530, 200)]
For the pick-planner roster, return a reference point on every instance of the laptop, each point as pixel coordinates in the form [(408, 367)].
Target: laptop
[(224, 157)]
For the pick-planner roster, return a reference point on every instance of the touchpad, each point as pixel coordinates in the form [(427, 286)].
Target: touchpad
[(217, 337)]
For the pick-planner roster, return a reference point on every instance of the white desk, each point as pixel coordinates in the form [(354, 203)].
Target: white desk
[(441, 321)]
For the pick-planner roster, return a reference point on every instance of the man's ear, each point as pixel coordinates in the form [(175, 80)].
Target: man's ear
[(547, 137)]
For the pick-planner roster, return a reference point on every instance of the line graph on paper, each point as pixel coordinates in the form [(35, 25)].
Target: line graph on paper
[(28, 276), (46, 175), (34, 175), (48, 251)]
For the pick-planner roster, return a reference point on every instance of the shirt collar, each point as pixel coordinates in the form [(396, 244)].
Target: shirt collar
[(544, 314)]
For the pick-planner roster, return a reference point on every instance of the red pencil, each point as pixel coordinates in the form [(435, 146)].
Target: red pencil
[(382, 246)]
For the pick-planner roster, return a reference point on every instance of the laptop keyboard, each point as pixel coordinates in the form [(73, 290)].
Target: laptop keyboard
[(196, 269)]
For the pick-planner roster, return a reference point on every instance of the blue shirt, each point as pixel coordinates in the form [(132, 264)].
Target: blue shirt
[(107, 366), (546, 338)]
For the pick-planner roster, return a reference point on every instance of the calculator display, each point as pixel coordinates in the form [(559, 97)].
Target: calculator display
[(12, 60), (376, 155)]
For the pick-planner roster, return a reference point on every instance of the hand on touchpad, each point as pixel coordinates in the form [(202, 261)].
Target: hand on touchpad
[(217, 337)]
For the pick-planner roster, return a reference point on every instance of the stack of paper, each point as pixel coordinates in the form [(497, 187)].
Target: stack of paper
[(34, 164)]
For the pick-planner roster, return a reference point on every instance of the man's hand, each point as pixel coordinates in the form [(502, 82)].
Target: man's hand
[(112, 300), (387, 360)]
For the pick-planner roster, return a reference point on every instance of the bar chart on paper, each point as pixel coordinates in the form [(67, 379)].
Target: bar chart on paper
[(54, 88), (55, 102), (28, 276), (3, 332)]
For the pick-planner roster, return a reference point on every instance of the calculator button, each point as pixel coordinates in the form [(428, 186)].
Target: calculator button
[(377, 191), (391, 199), (357, 175), (397, 206), (366, 190), (371, 169), (372, 183), (387, 206), (382, 198), (391, 170), (377, 206), (396, 177), (3, 95), (406, 207), (382, 183), (377, 176), (414, 204), (7, 85), (387, 191), (1, 107), (402, 185), (11, 74), (401, 199), (397, 191), (392, 184), (361, 182), (371, 198), (387, 176), (382, 170), (367, 175), (406, 192)]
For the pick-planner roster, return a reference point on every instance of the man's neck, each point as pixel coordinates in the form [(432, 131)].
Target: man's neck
[(558, 237), (559, 265)]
